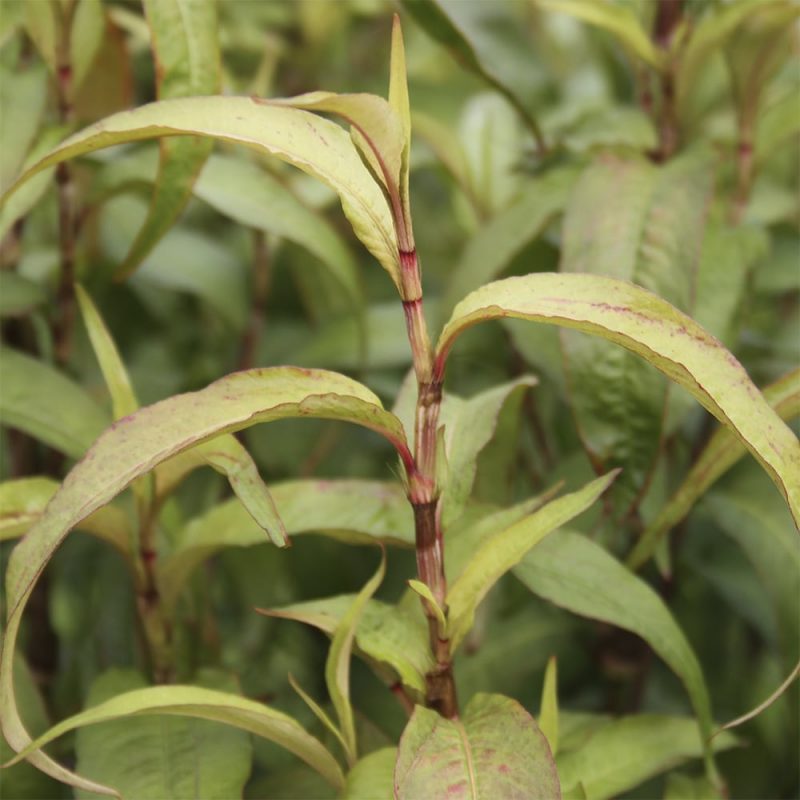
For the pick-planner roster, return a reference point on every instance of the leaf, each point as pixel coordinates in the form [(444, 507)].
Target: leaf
[(337, 665), (654, 240), (503, 550), (85, 39), (193, 701), (42, 22), (205, 759), (494, 750), (372, 778), (398, 100), (684, 787), (651, 327), (137, 443), (626, 752), (27, 403), (721, 452), (492, 248), (251, 196), (389, 635), (618, 20), (359, 512), (424, 591), (19, 296), (315, 145), (548, 708), (573, 572), (183, 34)]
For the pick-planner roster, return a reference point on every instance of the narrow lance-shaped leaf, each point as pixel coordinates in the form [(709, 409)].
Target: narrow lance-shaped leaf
[(139, 442), (398, 100), (337, 666), (183, 34), (494, 750), (548, 708), (315, 145), (719, 455), (649, 326), (193, 701), (503, 550)]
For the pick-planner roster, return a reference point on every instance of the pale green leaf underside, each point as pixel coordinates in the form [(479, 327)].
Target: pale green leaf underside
[(210, 704), (315, 145), (668, 339), (495, 750)]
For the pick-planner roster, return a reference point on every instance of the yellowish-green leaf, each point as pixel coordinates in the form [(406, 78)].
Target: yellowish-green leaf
[(337, 666), (315, 145), (548, 708), (649, 326), (86, 37), (398, 100), (372, 778), (503, 550), (424, 591), (319, 712)]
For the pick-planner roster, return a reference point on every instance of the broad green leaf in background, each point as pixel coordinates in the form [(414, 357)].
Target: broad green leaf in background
[(354, 511), (337, 666), (684, 787), (721, 452), (548, 708), (654, 240), (619, 20), (501, 551), (19, 296), (388, 635), (495, 749), (372, 778), (625, 752), (651, 327), (183, 35), (573, 572), (137, 443), (205, 759), (47, 405), (251, 196), (315, 145), (193, 701), (462, 29)]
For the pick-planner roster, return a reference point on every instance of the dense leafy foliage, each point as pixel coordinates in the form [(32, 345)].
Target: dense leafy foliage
[(544, 557)]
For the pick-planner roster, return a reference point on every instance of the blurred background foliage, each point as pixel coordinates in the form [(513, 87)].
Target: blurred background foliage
[(698, 200)]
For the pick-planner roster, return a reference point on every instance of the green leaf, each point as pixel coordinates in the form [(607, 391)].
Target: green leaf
[(619, 20), (654, 240), (548, 708), (626, 752), (359, 512), (721, 452), (503, 550), (86, 36), (398, 100), (372, 778), (193, 701), (251, 196), (684, 787), (137, 443), (494, 750), (183, 34), (19, 296), (424, 591), (337, 666), (47, 405), (389, 635), (205, 759), (315, 145), (651, 327), (42, 22), (573, 572), (493, 247)]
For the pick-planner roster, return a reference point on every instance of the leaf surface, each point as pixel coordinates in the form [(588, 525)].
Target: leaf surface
[(494, 750), (372, 777), (649, 326)]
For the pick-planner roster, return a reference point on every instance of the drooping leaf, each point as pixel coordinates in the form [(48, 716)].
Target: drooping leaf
[(718, 456), (372, 778), (183, 35), (42, 22), (206, 759), (85, 40), (337, 666), (662, 335), (573, 572), (315, 145), (494, 750), (654, 240), (548, 708), (47, 405), (389, 635), (619, 20), (503, 550), (623, 753), (193, 701), (140, 441)]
